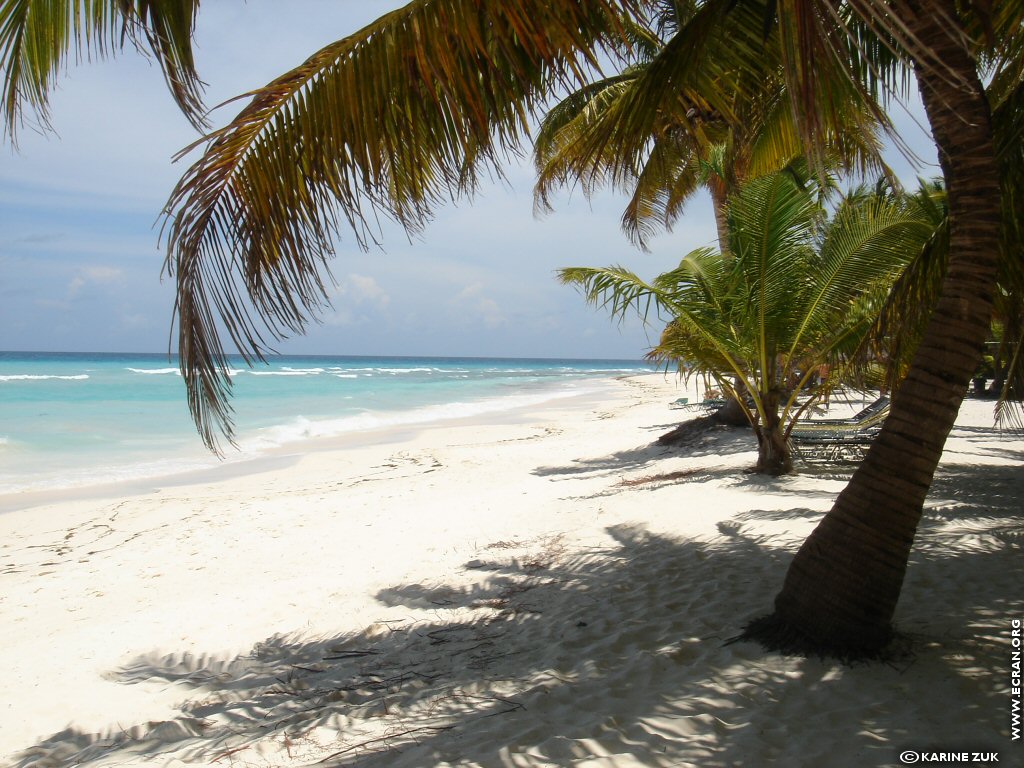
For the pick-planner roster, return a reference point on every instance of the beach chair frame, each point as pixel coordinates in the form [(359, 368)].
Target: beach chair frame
[(839, 440)]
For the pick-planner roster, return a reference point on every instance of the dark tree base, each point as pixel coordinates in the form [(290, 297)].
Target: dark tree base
[(776, 634), (693, 429)]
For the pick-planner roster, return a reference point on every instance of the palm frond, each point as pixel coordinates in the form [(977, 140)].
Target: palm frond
[(38, 37), (690, 295), (556, 162), (771, 225), (905, 310), (870, 240), (617, 290), (835, 59), (669, 178), (386, 123)]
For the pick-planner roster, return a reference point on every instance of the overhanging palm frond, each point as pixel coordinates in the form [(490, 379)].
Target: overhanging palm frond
[(694, 296), (388, 122), (38, 37), (716, 86), (617, 290), (564, 155), (682, 89), (562, 128)]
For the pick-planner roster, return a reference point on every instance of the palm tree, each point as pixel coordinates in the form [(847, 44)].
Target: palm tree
[(692, 146), (842, 587), (795, 291), (405, 113)]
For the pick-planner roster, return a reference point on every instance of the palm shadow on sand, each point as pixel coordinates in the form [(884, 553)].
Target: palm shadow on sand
[(707, 440), (555, 659)]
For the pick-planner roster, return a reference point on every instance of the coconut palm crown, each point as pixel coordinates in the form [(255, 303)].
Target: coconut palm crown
[(693, 145)]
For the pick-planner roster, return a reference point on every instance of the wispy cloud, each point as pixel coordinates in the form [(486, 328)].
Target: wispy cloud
[(97, 275), (475, 307)]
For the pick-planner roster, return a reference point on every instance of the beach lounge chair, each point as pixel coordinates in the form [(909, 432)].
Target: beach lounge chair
[(707, 405), (880, 406), (839, 440)]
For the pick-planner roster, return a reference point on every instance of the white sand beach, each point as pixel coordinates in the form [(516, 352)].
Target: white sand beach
[(543, 588)]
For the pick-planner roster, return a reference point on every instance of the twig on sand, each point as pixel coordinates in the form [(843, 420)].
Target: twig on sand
[(351, 655), (665, 478), (388, 737), (229, 753)]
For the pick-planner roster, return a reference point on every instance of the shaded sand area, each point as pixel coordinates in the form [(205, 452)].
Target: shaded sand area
[(549, 589)]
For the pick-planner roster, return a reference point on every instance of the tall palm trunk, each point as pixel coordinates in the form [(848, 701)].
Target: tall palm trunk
[(731, 412), (841, 590)]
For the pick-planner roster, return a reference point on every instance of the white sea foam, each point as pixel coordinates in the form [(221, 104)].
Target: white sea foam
[(397, 371), (83, 476), (42, 377), (156, 371), (302, 428), (285, 373)]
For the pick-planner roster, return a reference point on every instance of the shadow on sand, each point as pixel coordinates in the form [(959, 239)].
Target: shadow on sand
[(609, 655)]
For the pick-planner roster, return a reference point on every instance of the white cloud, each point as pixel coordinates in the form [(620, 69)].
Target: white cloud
[(353, 297), (98, 275), (102, 274), (470, 292), (366, 289), (76, 285), (362, 289), (475, 307)]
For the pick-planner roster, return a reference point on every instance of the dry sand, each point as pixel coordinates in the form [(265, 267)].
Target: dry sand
[(549, 589)]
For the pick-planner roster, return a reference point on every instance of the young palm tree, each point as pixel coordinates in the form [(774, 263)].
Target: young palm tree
[(794, 291), (691, 147), (402, 115)]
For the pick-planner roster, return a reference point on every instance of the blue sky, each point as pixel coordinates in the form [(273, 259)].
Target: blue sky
[(80, 262)]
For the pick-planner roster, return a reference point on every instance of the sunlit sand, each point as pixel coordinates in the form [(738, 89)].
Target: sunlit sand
[(549, 589)]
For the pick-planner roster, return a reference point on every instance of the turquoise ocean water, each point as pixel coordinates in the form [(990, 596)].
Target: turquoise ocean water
[(75, 419)]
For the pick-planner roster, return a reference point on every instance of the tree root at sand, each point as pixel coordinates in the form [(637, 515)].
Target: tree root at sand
[(774, 633), (692, 431)]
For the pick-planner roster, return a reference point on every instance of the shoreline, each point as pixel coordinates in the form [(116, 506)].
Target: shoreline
[(547, 587), (254, 458)]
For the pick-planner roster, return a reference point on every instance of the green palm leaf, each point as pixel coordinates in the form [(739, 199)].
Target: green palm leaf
[(386, 123), (37, 37), (796, 290)]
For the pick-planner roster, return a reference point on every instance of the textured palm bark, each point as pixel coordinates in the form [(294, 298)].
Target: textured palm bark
[(840, 593), (719, 203), (732, 412), (774, 456)]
